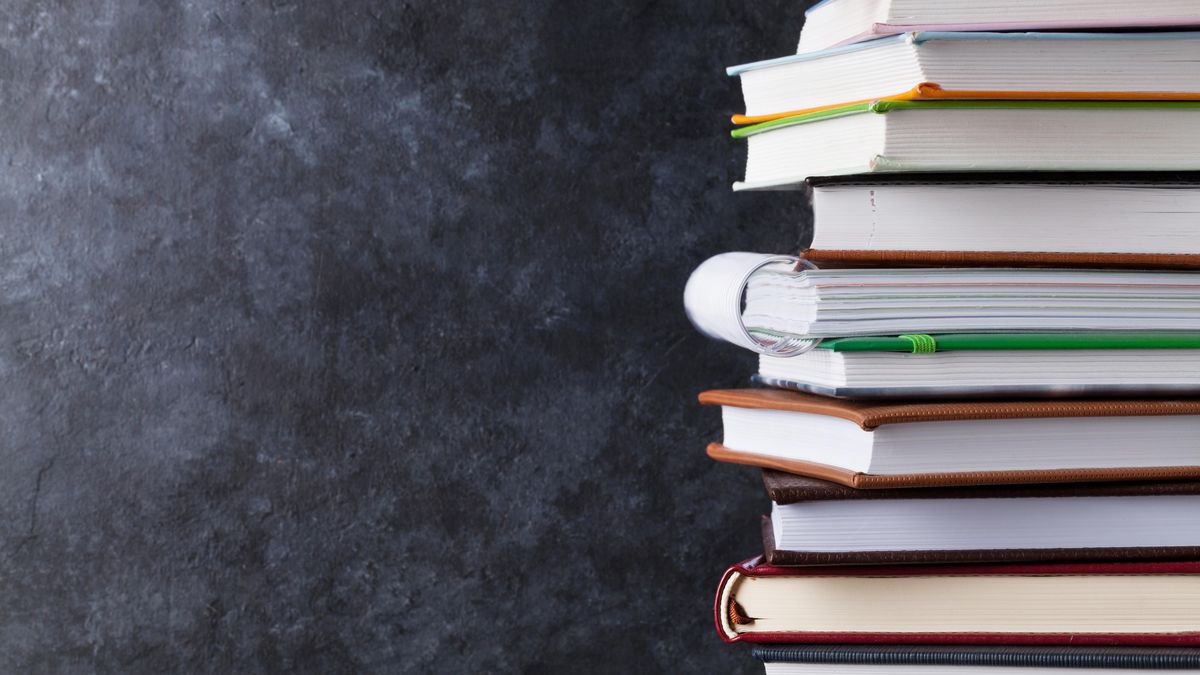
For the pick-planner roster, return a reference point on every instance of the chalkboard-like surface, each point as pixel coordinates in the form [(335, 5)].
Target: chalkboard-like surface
[(347, 337)]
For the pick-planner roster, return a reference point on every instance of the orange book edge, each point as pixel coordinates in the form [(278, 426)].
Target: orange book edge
[(930, 91)]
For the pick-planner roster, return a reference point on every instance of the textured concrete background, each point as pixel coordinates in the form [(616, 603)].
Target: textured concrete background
[(346, 336)]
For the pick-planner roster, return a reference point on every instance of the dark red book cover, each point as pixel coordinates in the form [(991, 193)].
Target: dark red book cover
[(726, 612)]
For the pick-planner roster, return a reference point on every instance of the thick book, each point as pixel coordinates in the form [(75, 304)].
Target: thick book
[(992, 365), (816, 522), (970, 136), (963, 65), (871, 445), (837, 22), (784, 302), (1047, 220), (1116, 603), (819, 659)]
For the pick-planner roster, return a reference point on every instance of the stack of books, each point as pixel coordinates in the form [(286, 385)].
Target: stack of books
[(977, 407)]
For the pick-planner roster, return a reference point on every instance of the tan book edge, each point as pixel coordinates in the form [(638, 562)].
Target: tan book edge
[(868, 481)]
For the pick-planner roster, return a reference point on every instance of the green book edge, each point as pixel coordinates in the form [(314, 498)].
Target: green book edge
[(990, 341), (881, 107)]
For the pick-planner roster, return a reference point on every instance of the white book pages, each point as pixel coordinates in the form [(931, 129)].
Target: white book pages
[(1069, 218), (975, 139), (1132, 64), (837, 22), (966, 445), (986, 524), (839, 303)]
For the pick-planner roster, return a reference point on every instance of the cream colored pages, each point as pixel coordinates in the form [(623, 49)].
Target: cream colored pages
[(966, 604)]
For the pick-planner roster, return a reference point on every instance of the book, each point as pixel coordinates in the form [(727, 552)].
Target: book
[(968, 136), (816, 522), (1114, 603), (781, 301), (836, 22), (865, 444), (992, 365), (1078, 220), (1020, 342), (966, 659), (964, 65)]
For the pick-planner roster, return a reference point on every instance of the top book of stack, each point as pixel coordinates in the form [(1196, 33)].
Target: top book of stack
[(838, 22), (926, 66)]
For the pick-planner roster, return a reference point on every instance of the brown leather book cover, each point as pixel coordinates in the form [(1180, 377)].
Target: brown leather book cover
[(873, 414), (870, 481), (870, 415), (835, 258)]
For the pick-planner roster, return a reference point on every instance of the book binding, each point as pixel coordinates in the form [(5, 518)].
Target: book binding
[(727, 615)]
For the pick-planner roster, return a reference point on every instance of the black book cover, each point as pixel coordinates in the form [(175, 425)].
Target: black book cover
[(1131, 658)]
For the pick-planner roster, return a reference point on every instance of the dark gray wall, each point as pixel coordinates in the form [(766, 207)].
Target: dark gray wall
[(346, 336)]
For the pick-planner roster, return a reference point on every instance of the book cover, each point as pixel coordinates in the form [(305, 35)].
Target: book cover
[(731, 617), (870, 415), (836, 258), (1124, 658), (934, 91), (945, 342), (883, 107), (784, 488)]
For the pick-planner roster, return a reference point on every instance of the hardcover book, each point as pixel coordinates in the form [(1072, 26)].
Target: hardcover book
[(1116, 603), (874, 445), (968, 660), (782, 302), (992, 365), (836, 22), (816, 522), (968, 136), (1026, 219), (950, 65)]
